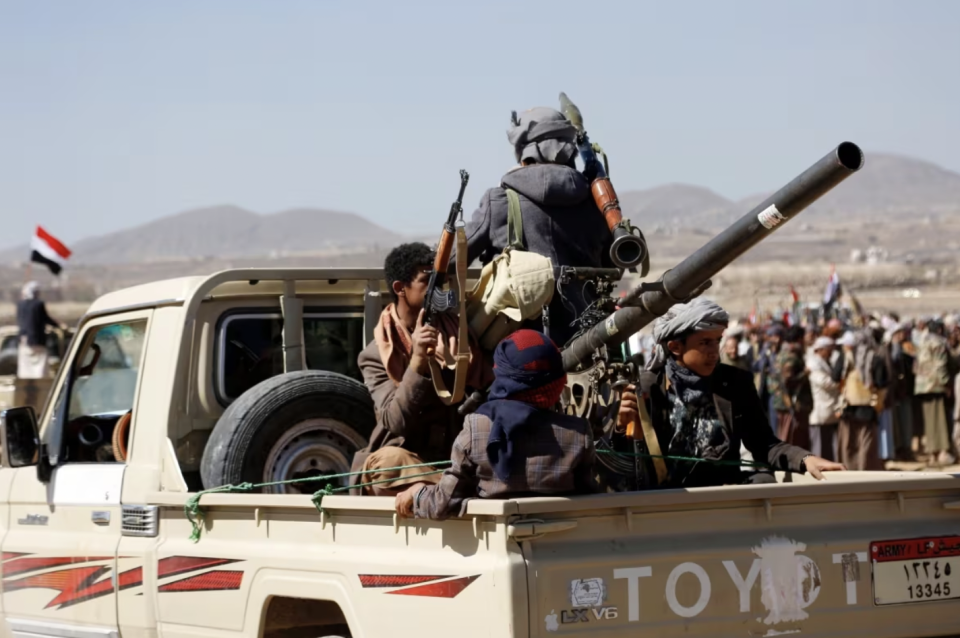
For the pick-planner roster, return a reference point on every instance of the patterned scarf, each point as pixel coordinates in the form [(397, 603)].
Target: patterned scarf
[(697, 428), (395, 344), (529, 379)]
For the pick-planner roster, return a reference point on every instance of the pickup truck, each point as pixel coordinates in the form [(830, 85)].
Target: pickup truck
[(96, 540)]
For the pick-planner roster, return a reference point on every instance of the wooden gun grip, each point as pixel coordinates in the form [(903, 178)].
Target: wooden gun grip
[(606, 200), (444, 250)]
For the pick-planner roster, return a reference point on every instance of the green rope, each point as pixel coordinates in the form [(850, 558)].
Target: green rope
[(329, 489), (690, 459), (192, 507), (195, 514)]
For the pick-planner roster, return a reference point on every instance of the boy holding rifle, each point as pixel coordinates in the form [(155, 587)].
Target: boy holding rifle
[(413, 424)]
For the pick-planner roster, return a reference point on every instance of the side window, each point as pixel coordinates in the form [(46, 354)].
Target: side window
[(250, 352), (250, 348), (103, 385)]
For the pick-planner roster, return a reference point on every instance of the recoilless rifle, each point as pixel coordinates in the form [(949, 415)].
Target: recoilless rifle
[(596, 375)]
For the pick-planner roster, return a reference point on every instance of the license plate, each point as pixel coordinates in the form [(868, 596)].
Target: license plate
[(916, 570)]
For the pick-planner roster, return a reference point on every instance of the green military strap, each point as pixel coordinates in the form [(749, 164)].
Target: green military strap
[(514, 220)]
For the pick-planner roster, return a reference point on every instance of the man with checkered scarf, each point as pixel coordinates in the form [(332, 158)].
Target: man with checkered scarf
[(515, 445)]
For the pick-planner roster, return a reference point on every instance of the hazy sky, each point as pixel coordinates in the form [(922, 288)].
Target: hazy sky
[(115, 113)]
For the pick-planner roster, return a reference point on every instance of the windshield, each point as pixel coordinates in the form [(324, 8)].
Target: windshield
[(106, 378)]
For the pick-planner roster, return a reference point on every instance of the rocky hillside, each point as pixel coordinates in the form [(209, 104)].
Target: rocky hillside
[(889, 188)]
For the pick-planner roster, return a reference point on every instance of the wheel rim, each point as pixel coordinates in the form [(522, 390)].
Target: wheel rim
[(312, 448)]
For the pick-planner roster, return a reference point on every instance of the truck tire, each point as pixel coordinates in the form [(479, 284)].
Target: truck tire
[(8, 362), (292, 426)]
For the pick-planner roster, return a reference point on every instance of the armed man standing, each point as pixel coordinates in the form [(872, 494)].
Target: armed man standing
[(32, 320), (560, 218)]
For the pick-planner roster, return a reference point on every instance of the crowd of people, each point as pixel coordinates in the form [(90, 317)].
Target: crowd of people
[(861, 391)]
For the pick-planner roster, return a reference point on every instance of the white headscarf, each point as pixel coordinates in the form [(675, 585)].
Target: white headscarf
[(30, 290)]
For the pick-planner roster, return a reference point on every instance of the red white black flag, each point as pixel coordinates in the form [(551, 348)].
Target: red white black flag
[(48, 250)]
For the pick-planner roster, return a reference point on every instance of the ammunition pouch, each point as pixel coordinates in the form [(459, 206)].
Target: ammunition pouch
[(512, 288)]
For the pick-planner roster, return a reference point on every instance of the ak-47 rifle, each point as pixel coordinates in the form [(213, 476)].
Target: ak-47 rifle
[(439, 300), (629, 248)]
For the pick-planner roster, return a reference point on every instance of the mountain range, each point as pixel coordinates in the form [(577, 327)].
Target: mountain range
[(889, 186)]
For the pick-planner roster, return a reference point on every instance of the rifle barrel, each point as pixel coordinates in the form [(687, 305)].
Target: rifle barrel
[(695, 270)]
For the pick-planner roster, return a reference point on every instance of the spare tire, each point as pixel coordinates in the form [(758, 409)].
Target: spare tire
[(292, 426)]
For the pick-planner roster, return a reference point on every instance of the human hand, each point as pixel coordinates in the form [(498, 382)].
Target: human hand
[(816, 466), (425, 338), (629, 408), (404, 501)]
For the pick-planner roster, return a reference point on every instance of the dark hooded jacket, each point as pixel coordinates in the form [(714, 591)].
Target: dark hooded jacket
[(560, 221)]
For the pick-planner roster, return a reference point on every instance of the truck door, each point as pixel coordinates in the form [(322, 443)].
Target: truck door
[(60, 549)]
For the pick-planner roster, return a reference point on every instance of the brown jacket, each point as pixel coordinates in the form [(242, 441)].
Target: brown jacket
[(558, 454), (409, 415)]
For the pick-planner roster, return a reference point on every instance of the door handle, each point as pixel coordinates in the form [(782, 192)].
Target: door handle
[(100, 518)]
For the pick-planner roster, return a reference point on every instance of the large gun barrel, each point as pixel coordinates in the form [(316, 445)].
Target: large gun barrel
[(646, 302)]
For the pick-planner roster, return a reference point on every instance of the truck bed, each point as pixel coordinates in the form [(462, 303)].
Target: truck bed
[(792, 558)]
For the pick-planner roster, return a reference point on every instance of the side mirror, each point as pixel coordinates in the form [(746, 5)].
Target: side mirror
[(19, 437)]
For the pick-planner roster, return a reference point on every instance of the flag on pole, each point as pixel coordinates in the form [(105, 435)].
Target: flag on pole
[(833, 291), (48, 250)]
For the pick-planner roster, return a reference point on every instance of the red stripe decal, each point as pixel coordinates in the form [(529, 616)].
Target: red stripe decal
[(445, 589), (379, 580), (11, 555), (217, 580), (24, 565), (53, 242), (174, 565), (130, 578), (75, 585)]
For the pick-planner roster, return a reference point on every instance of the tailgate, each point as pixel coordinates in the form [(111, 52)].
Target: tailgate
[(749, 561)]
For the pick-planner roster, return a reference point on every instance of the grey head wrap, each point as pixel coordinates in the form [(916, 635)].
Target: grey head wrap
[(698, 315), (543, 135)]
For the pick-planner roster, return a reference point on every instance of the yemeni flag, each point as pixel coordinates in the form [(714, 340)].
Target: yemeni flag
[(48, 250), (833, 291)]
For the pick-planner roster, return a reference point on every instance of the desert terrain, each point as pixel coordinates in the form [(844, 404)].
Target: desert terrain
[(892, 230)]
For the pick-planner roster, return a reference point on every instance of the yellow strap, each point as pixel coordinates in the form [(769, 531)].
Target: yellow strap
[(463, 335), (653, 444)]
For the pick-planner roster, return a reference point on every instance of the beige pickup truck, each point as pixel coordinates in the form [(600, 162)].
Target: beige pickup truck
[(250, 375)]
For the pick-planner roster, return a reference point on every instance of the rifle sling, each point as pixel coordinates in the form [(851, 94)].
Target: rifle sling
[(462, 356), (514, 220), (644, 391), (653, 444)]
